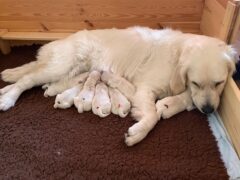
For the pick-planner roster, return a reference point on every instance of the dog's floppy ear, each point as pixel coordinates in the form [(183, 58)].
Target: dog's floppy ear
[(178, 80), (231, 56)]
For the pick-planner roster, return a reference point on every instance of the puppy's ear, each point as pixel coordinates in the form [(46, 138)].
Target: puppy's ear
[(178, 80), (231, 56)]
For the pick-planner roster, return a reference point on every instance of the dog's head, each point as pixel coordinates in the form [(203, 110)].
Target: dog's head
[(204, 66)]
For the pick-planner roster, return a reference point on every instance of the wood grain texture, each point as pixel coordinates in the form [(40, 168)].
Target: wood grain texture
[(229, 112), (228, 22), (4, 45), (223, 2), (212, 17), (230, 103), (43, 15), (37, 36)]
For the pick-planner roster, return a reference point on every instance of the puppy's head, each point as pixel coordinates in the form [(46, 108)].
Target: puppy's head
[(205, 64)]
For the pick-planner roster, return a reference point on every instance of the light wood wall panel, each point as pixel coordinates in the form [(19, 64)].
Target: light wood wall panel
[(212, 18), (72, 15)]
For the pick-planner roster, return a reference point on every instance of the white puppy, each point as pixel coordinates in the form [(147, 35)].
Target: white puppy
[(65, 99), (101, 104), (83, 102), (120, 105)]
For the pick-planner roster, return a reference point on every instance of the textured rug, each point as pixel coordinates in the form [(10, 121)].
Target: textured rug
[(40, 142)]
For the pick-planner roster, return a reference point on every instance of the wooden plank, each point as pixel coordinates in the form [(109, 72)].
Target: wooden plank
[(223, 2), (29, 36), (74, 10), (25, 16), (4, 45), (235, 37), (73, 27), (229, 112), (213, 14), (230, 102), (17, 26), (228, 21)]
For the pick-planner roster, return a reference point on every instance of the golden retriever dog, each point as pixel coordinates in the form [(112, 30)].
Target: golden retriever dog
[(159, 63)]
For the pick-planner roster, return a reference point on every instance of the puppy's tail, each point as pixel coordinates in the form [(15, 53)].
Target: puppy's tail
[(13, 75)]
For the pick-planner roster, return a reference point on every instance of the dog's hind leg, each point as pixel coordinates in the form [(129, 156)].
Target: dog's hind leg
[(14, 74), (42, 75)]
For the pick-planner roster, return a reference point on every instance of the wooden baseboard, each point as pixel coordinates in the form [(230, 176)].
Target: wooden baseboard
[(9, 39), (33, 36)]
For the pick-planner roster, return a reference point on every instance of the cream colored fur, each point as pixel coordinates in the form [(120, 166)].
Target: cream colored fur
[(66, 98), (83, 102), (120, 104), (159, 63), (101, 104)]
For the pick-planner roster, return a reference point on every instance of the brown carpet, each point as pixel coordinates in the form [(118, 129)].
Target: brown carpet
[(40, 142)]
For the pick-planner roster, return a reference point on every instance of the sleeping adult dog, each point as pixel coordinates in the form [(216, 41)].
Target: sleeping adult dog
[(159, 63)]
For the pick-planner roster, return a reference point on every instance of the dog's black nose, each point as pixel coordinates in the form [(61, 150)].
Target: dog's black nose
[(207, 109)]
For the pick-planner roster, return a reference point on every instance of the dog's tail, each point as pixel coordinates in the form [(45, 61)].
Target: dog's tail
[(13, 75)]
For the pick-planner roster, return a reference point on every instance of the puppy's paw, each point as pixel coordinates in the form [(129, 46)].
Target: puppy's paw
[(78, 104), (135, 134), (6, 102)]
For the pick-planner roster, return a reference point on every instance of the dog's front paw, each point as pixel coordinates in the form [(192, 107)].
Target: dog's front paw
[(135, 134), (165, 108), (6, 103)]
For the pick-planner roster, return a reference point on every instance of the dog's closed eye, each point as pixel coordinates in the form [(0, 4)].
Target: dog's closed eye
[(195, 84), (218, 83)]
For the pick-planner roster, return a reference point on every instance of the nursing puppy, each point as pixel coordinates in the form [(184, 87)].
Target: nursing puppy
[(120, 104), (66, 98), (101, 104), (159, 63), (83, 102)]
